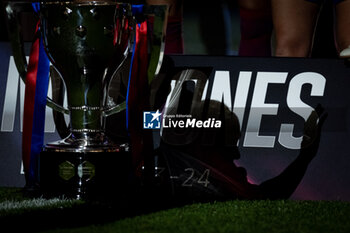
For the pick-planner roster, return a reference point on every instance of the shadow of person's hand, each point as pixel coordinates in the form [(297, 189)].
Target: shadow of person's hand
[(283, 185)]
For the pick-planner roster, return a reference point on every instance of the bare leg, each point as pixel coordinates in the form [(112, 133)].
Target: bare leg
[(254, 4), (343, 26), (256, 28), (294, 22), (174, 39), (175, 6)]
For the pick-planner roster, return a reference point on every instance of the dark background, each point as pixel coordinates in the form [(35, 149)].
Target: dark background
[(204, 34), (204, 29)]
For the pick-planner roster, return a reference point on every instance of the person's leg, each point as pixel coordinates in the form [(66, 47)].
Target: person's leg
[(256, 27), (294, 22), (174, 38), (343, 27), (175, 6)]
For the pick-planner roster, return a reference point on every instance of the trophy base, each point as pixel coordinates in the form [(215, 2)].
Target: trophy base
[(86, 175)]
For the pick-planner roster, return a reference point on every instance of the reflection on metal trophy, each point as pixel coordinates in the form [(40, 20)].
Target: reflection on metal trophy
[(83, 41), (86, 42)]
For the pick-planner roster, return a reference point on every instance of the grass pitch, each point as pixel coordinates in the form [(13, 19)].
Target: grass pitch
[(62, 215)]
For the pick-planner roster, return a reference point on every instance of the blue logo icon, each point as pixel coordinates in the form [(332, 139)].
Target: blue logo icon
[(151, 120)]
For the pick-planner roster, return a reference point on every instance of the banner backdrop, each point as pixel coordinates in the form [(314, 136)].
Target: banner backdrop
[(271, 97)]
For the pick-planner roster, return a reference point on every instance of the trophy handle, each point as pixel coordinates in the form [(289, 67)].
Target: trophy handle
[(58, 91), (160, 13), (14, 31), (14, 34), (114, 109), (157, 45)]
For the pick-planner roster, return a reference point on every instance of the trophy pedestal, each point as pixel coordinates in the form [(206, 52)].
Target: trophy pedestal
[(89, 175)]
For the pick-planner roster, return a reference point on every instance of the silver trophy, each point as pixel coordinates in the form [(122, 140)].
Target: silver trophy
[(88, 43)]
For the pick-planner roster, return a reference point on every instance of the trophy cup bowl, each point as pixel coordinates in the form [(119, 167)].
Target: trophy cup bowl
[(87, 42)]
